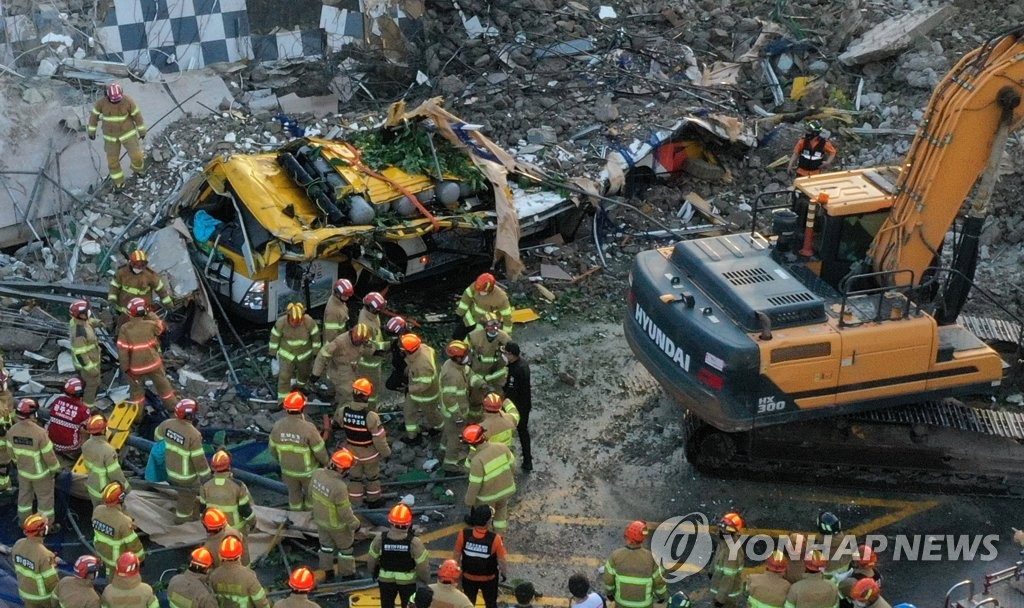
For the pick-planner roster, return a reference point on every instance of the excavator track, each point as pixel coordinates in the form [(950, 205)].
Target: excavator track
[(937, 446)]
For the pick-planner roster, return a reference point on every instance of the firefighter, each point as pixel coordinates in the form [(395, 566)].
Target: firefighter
[(340, 357), (481, 555), (293, 342), (865, 565), (366, 439), (632, 577), (867, 593), (297, 446), (233, 583), (36, 462), (486, 344), (85, 348), (813, 153), (332, 514), (126, 589), (797, 546), (397, 559), (34, 564), (491, 481), (302, 583), (190, 589), (813, 590), (100, 460), (137, 280), (500, 419), (727, 563), (227, 494), (336, 311), (217, 529), (841, 546), (67, 417), (480, 298), (456, 379), (768, 589), (6, 422), (138, 354), (113, 529), (79, 590), (421, 402), (122, 126), (446, 592), (394, 329), (187, 469), (370, 365)]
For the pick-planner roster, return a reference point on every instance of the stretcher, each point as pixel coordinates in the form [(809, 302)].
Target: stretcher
[(120, 422)]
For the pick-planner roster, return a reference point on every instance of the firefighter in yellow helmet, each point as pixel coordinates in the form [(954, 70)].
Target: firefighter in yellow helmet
[(297, 447), (187, 468), (226, 493), (34, 564), (100, 459), (339, 359), (480, 298), (366, 439), (123, 125), (36, 461), (370, 365), (632, 577), (486, 344), (191, 589), (770, 588), (332, 514), (85, 348), (294, 341), (138, 354), (113, 529), (79, 590), (336, 311), (813, 590), (501, 418), (456, 378), (397, 559), (422, 401), (727, 563), (302, 582), (235, 585), (126, 589), (491, 478)]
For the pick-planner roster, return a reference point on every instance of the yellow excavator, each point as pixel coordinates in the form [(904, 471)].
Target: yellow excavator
[(827, 347)]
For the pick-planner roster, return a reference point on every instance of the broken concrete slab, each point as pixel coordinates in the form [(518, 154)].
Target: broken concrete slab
[(264, 104), (895, 35), (199, 92), (319, 106)]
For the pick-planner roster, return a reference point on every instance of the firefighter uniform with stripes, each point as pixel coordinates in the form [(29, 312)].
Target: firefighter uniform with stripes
[(332, 513), (138, 352), (501, 419), (366, 439), (235, 585), (187, 468), (339, 359), (231, 496), (100, 460), (85, 354), (137, 280), (35, 565), (6, 422), (632, 576), (486, 344), (123, 125), (113, 530), (456, 378), (294, 341), (491, 478), (36, 461), (770, 588), (482, 297), (336, 312), (422, 401), (190, 590), (397, 559), (370, 365), (297, 446)]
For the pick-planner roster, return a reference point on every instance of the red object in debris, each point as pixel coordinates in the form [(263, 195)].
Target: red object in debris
[(67, 415), (671, 156)]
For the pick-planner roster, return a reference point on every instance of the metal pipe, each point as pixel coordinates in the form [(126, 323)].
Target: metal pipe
[(247, 476)]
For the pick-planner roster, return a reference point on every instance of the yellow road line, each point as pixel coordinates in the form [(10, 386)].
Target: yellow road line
[(906, 512)]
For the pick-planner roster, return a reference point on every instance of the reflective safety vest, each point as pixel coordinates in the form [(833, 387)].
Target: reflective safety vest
[(187, 590), (501, 426), (335, 318), (186, 461), (230, 496), (396, 560), (473, 307), (633, 578), (297, 446), (490, 474), (478, 556), (294, 342), (331, 506), (237, 587), (423, 380), (377, 341), (33, 450), (121, 121), (36, 568), (101, 462), (114, 534), (85, 348), (356, 430), (128, 592)]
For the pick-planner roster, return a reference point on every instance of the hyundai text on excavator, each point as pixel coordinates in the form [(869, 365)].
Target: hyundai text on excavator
[(837, 355)]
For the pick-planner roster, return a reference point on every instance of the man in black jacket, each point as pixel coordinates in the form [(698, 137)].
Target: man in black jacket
[(517, 388)]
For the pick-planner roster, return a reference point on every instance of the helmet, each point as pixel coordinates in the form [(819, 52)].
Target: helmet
[(479, 515), (201, 560), (374, 301), (679, 599), (35, 525), (74, 387), (813, 126), (79, 309), (457, 349), (128, 564), (86, 565), (491, 322), (485, 283), (449, 572), (815, 561), (294, 402), (26, 407), (114, 92), (410, 343), (363, 387), (866, 557), (396, 325), (96, 425), (828, 523), (231, 548), (343, 459), (865, 590), (777, 562), (400, 515), (296, 311), (137, 307), (343, 289), (636, 532), (474, 434), (302, 580), (138, 259), (220, 461), (731, 522), (186, 409), (493, 402), (360, 334), (214, 520), (113, 493)]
